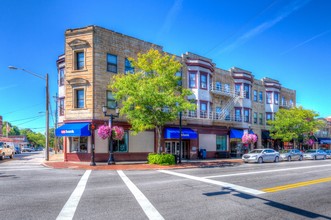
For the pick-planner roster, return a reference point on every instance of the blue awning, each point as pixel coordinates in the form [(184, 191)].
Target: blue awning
[(324, 140), (73, 130), (235, 133), (173, 133)]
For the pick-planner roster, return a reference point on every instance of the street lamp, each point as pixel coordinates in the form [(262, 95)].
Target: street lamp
[(111, 117), (47, 104)]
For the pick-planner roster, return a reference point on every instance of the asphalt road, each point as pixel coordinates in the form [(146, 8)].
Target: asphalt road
[(285, 190)]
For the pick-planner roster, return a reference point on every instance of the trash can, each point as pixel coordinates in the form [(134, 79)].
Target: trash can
[(204, 154)]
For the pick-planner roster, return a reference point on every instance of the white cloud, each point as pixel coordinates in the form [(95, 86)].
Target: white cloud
[(170, 18)]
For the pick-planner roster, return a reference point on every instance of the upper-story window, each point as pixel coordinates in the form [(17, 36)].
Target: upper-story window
[(246, 115), (283, 101), (268, 97), (237, 114), (79, 98), (291, 102), (203, 81), (179, 75), (276, 98), (237, 88), (246, 91), (261, 118), (61, 106), (203, 109), (193, 79), (79, 60), (226, 87), (255, 117), (111, 102), (218, 86), (268, 116), (261, 96), (61, 76), (111, 63), (128, 66), (255, 95)]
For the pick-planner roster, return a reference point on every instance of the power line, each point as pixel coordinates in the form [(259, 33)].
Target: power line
[(39, 116), (28, 121), (21, 109)]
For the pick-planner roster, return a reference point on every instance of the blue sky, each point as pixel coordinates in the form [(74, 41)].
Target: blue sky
[(287, 40)]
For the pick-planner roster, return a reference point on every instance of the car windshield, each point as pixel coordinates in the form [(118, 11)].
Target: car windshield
[(1, 145), (285, 151), (310, 151), (328, 151), (255, 151)]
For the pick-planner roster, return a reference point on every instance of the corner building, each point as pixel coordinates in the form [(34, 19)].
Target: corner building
[(229, 102)]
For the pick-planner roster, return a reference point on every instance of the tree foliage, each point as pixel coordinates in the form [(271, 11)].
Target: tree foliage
[(292, 124), (152, 96)]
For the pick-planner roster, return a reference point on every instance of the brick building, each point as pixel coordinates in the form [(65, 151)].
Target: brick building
[(229, 102)]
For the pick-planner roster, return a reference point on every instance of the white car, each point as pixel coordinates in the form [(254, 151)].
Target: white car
[(314, 154), (261, 155), (5, 151), (27, 149)]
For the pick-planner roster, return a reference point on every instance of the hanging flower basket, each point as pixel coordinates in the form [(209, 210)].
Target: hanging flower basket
[(117, 133), (249, 138), (104, 131), (310, 142)]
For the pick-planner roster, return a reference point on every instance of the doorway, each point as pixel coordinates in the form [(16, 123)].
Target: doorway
[(172, 147)]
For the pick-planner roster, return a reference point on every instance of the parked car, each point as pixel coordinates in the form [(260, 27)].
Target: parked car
[(291, 154), (328, 154), (27, 149), (261, 155), (5, 151), (17, 150), (314, 154)]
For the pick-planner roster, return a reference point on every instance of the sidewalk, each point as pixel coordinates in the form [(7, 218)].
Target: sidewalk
[(56, 161)]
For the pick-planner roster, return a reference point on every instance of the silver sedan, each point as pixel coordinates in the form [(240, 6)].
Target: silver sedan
[(261, 155), (314, 154), (291, 154)]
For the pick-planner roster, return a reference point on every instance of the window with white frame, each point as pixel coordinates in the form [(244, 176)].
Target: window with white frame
[(260, 96), (246, 91), (268, 97), (192, 80), (218, 86), (78, 144), (246, 115), (111, 63), (237, 114), (268, 116), (203, 80), (226, 87), (255, 95), (61, 76), (203, 109), (237, 89), (276, 98)]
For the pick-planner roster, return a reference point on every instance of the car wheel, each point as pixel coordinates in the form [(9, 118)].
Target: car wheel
[(276, 159), (324, 157), (11, 156), (260, 160), (315, 158), (289, 159), (301, 158), (2, 157)]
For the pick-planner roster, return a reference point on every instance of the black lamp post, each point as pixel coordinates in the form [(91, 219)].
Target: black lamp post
[(111, 117), (180, 137)]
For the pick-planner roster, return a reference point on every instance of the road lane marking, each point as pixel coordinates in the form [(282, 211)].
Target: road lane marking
[(145, 204), (69, 209), (219, 183), (265, 171), (24, 169), (296, 185)]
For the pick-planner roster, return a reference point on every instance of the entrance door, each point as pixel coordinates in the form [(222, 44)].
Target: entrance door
[(172, 147)]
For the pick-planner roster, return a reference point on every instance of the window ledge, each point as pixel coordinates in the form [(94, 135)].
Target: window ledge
[(79, 71)]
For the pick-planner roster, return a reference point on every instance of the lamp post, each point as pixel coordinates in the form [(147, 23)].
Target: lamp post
[(47, 104), (111, 117)]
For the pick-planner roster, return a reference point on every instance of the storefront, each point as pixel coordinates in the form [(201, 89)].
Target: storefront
[(77, 140), (171, 142)]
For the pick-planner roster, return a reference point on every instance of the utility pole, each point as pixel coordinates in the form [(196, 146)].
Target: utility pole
[(56, 148)]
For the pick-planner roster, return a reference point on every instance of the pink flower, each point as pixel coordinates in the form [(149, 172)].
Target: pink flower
[(104, 131), (117, 133), (249, 138)]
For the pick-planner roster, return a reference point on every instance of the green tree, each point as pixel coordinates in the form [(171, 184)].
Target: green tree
[(292, 124), (34, 138), (152, 96), (13, 130)]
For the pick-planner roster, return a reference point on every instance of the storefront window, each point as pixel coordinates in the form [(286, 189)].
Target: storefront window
[(221, 143), (78, 144), (122, 145)]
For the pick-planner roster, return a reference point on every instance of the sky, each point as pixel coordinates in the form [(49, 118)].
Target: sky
[(287, 40)]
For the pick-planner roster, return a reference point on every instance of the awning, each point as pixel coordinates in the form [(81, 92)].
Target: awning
[(173, 133), (235, 133), (324, 140), (73, 130)]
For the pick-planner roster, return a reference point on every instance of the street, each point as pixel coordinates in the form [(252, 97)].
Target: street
[(284, 190)]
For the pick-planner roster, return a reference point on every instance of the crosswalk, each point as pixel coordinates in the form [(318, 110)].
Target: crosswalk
[(22, 164)]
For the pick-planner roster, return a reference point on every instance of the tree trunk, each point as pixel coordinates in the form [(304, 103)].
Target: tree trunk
[(159, 132)]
